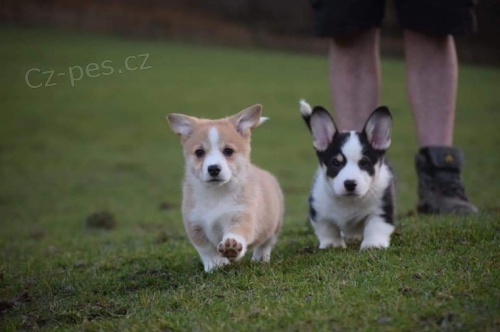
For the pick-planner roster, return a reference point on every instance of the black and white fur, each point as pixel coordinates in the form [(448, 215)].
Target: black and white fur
[(352, 196)]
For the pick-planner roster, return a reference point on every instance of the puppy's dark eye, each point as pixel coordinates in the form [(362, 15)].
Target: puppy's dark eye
[(228, 152), (336, 163), (199, 153), (364, 162)]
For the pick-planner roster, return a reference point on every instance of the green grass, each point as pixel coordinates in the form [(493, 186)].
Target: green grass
[(103, 145)]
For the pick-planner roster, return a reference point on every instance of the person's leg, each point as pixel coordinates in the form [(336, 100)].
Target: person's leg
[(432, 75), (354, 74)]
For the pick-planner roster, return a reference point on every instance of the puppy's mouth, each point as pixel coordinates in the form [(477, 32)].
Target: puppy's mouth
[(351, 195), (216, 181)]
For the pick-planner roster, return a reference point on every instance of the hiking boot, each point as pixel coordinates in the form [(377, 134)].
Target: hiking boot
[(440, 188)]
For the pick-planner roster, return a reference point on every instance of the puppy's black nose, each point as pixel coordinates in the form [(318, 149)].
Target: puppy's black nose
[(214, 170), (350, 185)]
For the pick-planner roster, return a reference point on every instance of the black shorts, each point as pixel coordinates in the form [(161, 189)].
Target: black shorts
[(438, 17)]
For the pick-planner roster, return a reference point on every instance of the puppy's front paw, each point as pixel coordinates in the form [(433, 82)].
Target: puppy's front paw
[(332, 244), (230, 248), (214, 263), (377, 234), (375, 244)]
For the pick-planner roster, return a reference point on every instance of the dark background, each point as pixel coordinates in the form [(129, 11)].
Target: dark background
[(275, 24)]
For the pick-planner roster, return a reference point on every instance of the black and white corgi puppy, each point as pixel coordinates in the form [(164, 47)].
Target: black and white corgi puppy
[(352, 196), (229, 205)]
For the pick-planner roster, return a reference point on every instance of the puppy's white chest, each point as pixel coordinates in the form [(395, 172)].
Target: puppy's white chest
[(214, 213), (208, 212), (347, 214)]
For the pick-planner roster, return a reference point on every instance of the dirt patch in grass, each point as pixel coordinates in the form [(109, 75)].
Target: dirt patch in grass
[(25, 297), (101, 220), (166, 206), (149, 278)]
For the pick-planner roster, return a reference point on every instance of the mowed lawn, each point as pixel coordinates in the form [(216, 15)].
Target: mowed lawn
[(84, 144)]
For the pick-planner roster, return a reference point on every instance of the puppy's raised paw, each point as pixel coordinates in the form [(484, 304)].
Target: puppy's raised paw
[(230, 248)]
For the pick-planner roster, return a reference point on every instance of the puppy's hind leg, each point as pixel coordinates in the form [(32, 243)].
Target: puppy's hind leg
[(262, 252)]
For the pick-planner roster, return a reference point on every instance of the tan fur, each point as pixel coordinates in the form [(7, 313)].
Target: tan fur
[(248, 209)]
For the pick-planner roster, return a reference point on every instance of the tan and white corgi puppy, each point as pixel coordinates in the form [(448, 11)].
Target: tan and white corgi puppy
[(229, 205)]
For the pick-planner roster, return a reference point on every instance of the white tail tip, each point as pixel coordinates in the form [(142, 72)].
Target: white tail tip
[(305, 108), (262, 120)]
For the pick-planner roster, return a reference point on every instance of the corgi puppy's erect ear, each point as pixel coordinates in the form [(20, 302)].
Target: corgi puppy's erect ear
[(181, 124), (378, 128), (247, 119), (322, 128)]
